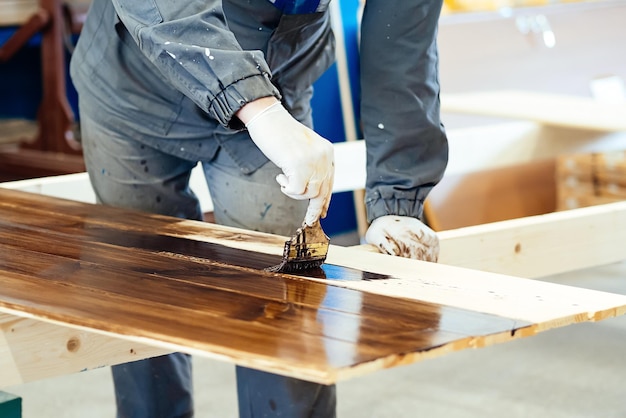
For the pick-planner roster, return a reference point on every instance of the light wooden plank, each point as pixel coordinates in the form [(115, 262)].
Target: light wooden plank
[(31, 350), (77, 187), (551, 109), (10, 370), (542, 245)]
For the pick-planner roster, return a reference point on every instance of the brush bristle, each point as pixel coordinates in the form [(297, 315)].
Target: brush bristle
[(295, 266)]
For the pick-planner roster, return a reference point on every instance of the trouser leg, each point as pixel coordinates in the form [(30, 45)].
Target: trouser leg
[(255, 202), (127, 174), (263, 394), (159, 387)]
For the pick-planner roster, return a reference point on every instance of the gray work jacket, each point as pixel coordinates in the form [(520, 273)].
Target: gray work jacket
[(173, 74)]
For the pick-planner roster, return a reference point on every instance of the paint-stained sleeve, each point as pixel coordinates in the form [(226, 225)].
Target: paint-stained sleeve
[(407, 148), (198, 54)]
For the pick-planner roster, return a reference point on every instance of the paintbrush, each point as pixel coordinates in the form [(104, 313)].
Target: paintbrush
[(306, 250)]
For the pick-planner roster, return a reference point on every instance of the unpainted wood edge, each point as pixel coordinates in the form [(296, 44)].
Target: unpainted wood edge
[(596, 316), (540, 246)]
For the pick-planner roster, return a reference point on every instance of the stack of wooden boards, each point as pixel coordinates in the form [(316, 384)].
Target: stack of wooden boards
[(590, 179)]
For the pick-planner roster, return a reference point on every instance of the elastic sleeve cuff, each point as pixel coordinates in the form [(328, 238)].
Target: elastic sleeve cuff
[(395, 202), (234, 96)]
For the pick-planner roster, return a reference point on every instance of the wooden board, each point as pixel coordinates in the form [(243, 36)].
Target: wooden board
[(31, 350), (551, 109), (198, 288), (539, 246)]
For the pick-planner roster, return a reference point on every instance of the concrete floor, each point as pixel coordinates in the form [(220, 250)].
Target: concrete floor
[(576, 371)]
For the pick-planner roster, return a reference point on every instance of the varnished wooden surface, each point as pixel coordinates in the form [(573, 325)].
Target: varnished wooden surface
[(150, 279)]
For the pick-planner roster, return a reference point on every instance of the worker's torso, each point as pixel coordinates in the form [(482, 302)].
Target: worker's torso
[(109, 69)]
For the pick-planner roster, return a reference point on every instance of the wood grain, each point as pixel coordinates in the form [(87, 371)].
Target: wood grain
[(539, 246), (201, 289), (31, 349)]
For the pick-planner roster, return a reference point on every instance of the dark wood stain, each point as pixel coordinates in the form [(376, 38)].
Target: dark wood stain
[(106, 268)]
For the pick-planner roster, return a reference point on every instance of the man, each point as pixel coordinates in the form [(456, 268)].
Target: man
[(163, 85)]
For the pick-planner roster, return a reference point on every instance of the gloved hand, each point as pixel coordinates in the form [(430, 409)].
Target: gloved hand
[(306, 159), (403, 236)]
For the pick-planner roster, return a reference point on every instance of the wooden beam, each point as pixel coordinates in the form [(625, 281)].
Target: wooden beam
[(67, 186), (55, 114), (543, 245), (31, 350)]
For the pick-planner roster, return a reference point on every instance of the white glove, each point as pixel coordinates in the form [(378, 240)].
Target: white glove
[(403, 236), (306, 159)]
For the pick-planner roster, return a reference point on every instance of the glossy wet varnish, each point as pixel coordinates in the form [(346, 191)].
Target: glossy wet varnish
[(138, 276)]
